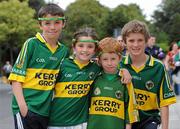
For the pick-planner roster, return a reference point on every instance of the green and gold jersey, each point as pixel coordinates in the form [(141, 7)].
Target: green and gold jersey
[(113, 104), (37, 67), (152, 86), (71, 99)]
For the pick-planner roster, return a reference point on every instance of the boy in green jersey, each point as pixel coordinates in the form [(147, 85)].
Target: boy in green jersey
[(113, 104), (35, 71), (149, 77)]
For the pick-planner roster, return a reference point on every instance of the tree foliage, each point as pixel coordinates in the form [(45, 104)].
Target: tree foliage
[(123, 14), (36, 4), (16, 22), (104, 20), (86, 13), (167, 18)]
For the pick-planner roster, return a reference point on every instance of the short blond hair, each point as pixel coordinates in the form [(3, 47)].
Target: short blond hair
[(110, 45), (135, 26)]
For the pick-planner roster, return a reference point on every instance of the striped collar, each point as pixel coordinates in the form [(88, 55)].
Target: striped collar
[(80, 65), (149, 62), (41, 38)]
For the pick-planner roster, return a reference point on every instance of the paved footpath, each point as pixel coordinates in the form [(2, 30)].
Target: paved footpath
[(6, 119), (175, 115)]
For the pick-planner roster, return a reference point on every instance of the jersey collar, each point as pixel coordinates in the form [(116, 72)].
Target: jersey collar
[(150, 61), (80, 65), (41, 38)]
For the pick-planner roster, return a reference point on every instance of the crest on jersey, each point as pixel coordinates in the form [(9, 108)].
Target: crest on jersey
[(149, 85), (97, 91), (91, 75), (118, 94)]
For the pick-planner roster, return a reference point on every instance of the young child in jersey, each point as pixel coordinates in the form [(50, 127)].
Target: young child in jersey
[(149, 77), (113, 104), (70, 105), (69, 109), (35, 71)]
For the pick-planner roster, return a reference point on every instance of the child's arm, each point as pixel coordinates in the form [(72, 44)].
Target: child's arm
[(126, 76), (18, 93), (128, 126), (165, 117)]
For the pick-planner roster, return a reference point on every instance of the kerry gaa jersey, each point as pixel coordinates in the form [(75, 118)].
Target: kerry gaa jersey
[(37, 67), (71, 100), (113, 104), (152, 86)]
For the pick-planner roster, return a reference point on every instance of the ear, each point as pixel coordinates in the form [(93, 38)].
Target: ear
[(98, 61), (73, 48), (40, 26)]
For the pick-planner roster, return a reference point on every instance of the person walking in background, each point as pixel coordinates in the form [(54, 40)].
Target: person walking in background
[(125, 51), (153, 49), (176, 73), (169, 60), (6, 70), (152, 87), (35, 71), (113, 104)]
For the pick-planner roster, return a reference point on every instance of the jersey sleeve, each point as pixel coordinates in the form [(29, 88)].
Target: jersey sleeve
[(131, 110), (19, 69), (166, 95)]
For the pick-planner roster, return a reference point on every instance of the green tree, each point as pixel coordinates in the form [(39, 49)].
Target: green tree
[(16, 23), (167, 18), (122, 14), (86, 13), (36, 4)]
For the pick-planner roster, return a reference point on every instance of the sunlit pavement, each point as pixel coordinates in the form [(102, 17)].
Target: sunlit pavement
[(6, 119)]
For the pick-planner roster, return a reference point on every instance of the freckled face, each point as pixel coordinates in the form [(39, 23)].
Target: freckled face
[(109, 62)]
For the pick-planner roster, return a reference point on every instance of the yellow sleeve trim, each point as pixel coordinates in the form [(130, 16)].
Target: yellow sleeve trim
[(15, 77), (168, 102)]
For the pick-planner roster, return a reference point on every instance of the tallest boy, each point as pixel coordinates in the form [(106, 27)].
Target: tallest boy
[(149, 77), (35, 71)]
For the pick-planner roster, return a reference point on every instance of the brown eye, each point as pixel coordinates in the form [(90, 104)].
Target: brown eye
[(46, 23), (58, 22), (90, 46)]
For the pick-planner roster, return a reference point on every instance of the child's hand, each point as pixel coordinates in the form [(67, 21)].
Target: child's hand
[(126, 76), (23, 110)]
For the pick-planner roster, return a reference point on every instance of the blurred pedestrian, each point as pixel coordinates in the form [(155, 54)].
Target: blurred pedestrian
[(125, 51), (176, 73), (169, 59), (153, 49), (7, 69)]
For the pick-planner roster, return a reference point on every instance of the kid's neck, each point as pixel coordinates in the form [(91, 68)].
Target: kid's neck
[(139, 61), (79, 62), (52, 42)]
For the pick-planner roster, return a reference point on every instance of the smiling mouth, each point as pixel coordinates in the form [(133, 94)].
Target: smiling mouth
[(84, 53), (52, 32)]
